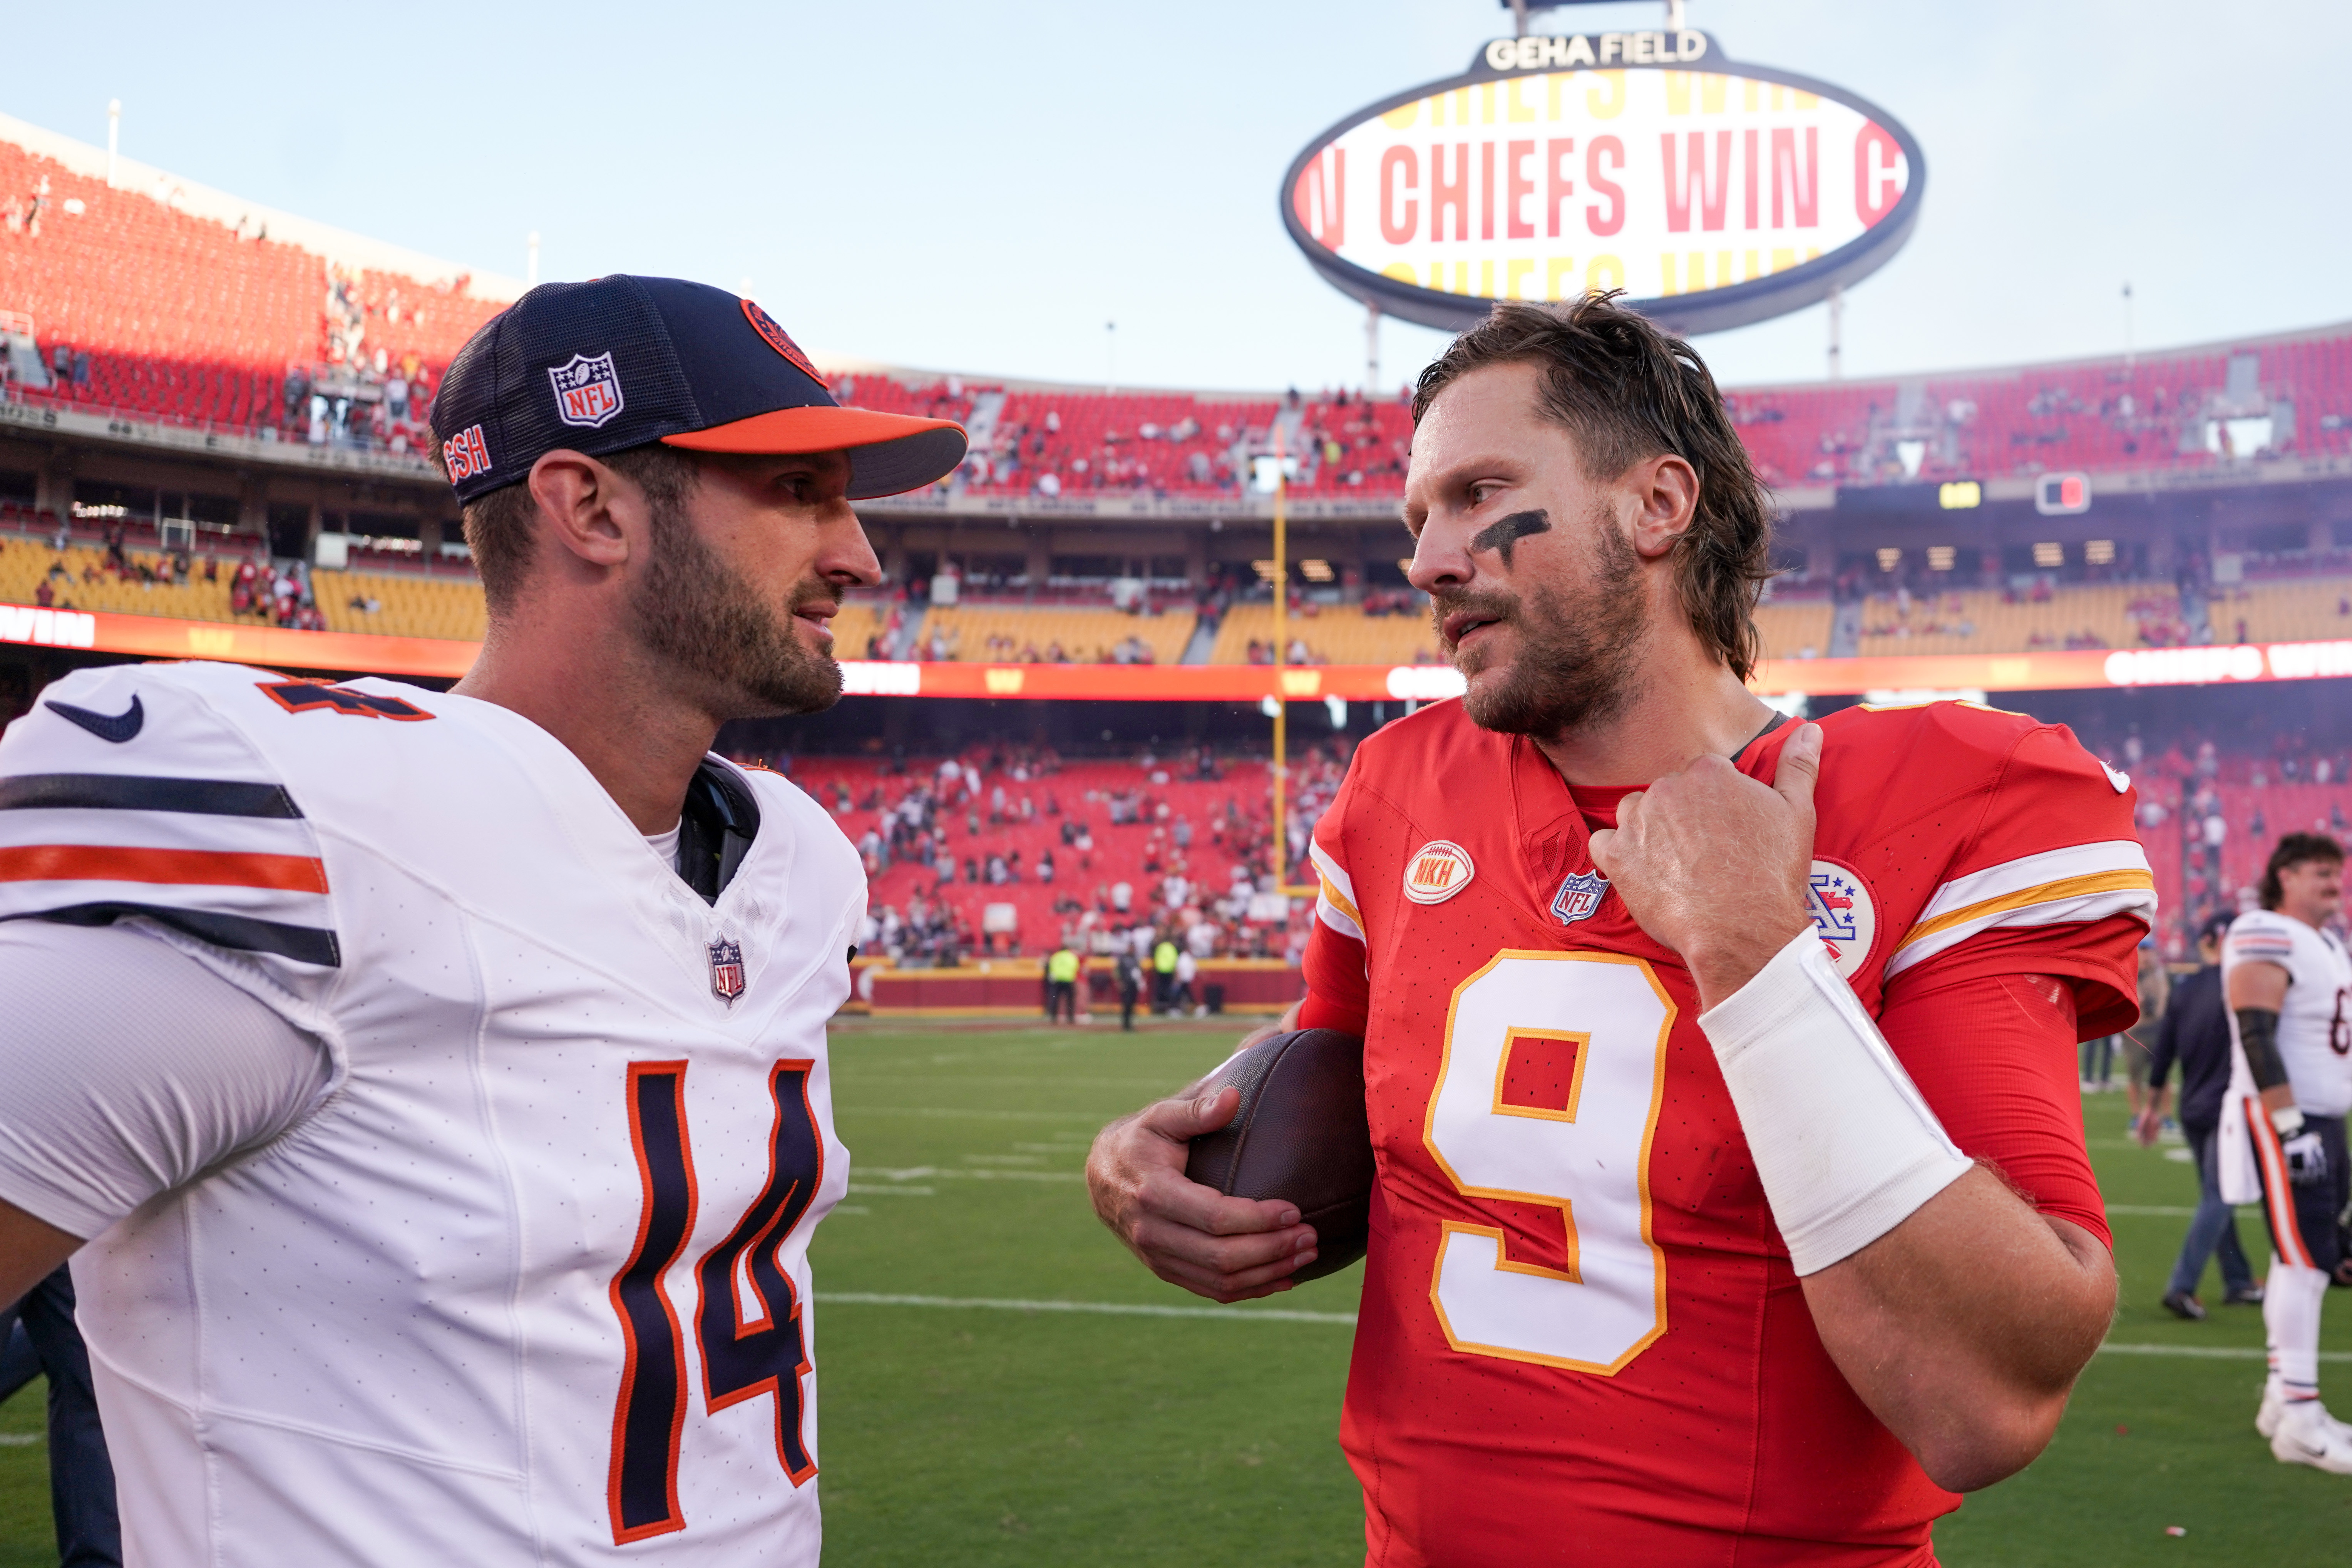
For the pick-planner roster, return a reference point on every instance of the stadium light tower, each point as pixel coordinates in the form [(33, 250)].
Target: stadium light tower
[(1281, 687), (113, 137)]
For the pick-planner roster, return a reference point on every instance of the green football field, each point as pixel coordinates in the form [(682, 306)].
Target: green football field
[(1001, 1383)]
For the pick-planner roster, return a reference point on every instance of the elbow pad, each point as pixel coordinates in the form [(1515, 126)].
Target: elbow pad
[(2258, 1034)]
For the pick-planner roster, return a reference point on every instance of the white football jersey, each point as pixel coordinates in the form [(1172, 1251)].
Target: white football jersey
[(2315, 1031), (529, 1284)]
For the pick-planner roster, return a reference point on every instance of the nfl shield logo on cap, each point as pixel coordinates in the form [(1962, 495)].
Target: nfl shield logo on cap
[(587, 391), (726, 970)]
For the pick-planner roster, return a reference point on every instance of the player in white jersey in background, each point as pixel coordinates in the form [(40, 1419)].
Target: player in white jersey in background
[(432, 1088), (2288, 981)]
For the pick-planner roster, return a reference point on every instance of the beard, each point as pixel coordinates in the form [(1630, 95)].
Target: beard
[(701, 619), (1578, 643)]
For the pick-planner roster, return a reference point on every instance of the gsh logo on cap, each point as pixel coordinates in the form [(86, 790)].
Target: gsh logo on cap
[(587, 391)]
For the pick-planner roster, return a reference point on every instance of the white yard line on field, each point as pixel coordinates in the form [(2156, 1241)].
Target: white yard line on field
[(1112, 1309), (924, 1173), (958, 1113), (2206, 1352), (1280, 1315)]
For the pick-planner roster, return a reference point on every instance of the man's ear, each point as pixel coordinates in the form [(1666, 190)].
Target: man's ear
[(585, 509), (1665, 490)]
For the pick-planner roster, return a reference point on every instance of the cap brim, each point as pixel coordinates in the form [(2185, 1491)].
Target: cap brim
[(889, 454)]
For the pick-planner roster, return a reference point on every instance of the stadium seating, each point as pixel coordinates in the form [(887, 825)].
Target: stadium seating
[(185, 319), (89, 585), (403, 605), (1121, 853), (1334, 634), (2312, 610), (1125, 443), (1010, 632), (1795, 628), (2109, 614)]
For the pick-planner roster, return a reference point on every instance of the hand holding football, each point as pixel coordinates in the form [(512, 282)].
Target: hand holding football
[(1299, 1134)]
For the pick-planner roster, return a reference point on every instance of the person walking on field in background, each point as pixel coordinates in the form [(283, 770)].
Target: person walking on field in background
[(533, 1099), (2195, 1033), (1164, 975), (1131, 985), (2287, 983), (1062, 985)]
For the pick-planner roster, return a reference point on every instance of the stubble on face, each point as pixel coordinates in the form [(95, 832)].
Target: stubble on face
[(1579, 642), (704, 620)]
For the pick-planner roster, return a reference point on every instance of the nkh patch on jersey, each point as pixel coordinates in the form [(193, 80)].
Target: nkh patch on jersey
[(1844, 912), (726, 970), (1438, 869), (1579, 895), (587, 391)]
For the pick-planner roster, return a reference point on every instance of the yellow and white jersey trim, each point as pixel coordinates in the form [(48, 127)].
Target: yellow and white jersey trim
[(1335, 901), (2058, 887)]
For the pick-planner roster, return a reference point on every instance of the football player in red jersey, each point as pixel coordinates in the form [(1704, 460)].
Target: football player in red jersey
[(1732, 1202)]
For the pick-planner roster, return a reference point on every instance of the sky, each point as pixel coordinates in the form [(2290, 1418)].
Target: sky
[(984, 187)]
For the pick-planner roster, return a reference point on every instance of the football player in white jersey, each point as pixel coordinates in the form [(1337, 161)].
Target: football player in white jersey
[(432, 1088), (2288, 981)]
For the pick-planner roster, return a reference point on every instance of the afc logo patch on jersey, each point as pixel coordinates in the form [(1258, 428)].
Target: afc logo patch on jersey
[(1843, 913), (465, 453), (1579, 895), (587, 391), (1437, 871), (726, 970)]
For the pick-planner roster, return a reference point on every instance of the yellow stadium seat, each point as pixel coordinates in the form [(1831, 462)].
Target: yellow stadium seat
[(1004, 634), (1334, 634), (2318, 609)]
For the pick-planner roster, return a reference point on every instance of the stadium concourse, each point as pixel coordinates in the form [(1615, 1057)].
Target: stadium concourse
[(212, 418)]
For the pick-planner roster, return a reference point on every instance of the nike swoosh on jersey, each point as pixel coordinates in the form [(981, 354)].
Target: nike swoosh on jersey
[(115, 727)]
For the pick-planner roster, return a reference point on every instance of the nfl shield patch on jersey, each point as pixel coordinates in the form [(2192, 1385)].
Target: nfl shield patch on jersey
[(1580, 894), (726, 970)]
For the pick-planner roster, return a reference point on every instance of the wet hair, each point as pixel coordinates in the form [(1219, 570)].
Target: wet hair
[(1628, 390)]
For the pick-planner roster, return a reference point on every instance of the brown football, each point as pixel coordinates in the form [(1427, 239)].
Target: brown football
[(1299, 1134)]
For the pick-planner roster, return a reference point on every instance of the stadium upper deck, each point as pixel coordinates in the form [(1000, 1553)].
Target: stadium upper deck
[(173, 356)]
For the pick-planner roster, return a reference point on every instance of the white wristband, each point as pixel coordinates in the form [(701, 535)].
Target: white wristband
[(1844, 1145)]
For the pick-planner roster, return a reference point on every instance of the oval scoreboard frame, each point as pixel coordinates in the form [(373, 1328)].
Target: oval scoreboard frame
[(1711, 310)]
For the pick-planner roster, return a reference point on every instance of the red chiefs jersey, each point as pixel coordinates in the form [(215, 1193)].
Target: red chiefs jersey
[(1580, 1339)]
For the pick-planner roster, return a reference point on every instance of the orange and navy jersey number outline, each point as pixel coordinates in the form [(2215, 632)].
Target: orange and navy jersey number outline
[(306, 696), (650, 1414), (744, 1355)]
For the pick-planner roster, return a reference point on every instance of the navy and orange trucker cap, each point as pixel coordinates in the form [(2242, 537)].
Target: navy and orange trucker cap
[(621, 361)]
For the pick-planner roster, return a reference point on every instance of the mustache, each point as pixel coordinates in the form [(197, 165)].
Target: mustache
[(1444, 602)]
